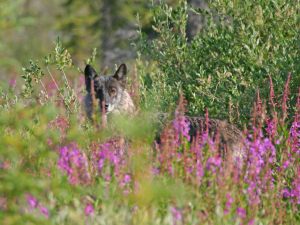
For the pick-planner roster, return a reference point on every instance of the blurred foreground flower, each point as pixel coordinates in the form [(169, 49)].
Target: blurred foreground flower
[(177, 216), (34, 204), (75, 164), (241, 212), (89, 209)]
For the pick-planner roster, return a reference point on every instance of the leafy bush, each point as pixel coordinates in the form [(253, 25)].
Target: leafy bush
[(241, 44)]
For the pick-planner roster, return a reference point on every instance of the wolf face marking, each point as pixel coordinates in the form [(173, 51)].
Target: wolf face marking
[(110, 91)]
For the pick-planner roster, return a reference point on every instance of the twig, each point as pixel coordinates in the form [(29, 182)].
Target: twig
[(47, 96), (58, 89), (65, 77)]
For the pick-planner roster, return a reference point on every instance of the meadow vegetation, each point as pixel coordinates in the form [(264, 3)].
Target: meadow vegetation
[(57, 167)]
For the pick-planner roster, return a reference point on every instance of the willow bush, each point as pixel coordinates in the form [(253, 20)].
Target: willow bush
[(241, 45)]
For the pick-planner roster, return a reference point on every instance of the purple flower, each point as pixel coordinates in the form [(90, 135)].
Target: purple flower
[(259, 173), (155, 171), (295, 191), (213, 163), (253, 192), (89, 209), (107, 178), (228, 203), (294, 136), (44, 211), (177, 215), (285, 193), (34, 204), (75, 164), (286, 164), (241, 212), (271, 127), (200, 170), (181, 126), (111, 155), (251, 222), (127, 178), (12, 82), (32, 201)]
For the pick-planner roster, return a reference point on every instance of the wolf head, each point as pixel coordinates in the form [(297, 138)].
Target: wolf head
[(109, 91)]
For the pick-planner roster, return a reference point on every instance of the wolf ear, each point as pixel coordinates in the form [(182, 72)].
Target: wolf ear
[(89, 73), (120, 74)]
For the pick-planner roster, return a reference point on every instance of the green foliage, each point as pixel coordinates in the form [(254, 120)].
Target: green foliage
[(241, 44), (10, 16), (79, 23), (61, 59), (11, 19), (32, 73)]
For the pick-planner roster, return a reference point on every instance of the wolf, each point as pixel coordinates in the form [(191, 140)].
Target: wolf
[(109, 92), (113, 98), (230, 138)]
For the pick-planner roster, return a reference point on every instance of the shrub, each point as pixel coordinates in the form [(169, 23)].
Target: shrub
[(241, 44)]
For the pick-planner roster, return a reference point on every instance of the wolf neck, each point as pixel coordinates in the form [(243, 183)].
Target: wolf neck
[(126, 104)]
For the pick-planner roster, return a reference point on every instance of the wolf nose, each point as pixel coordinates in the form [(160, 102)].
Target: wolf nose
[(106, 107)]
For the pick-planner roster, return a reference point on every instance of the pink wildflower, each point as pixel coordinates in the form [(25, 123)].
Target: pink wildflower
[(241, 212), (89, 209)]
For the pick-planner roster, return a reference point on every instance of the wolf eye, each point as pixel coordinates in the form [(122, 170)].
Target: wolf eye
[(113, 91)]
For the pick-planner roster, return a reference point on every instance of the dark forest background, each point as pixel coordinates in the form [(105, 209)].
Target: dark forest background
[(29, 29)]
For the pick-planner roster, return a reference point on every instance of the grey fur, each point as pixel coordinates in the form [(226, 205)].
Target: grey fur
[(109, 91)]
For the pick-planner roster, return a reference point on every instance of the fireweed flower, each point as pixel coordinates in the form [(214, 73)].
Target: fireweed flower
[(12, 83), (32, 201), (126, 180), (181, 126), (155, 171), (286, 164), (271, 127), (200, 171), (62, 124), (258, 175), (286, 193), (295, 191), (254, 192), (89, 209), (125, 184), (177, 215), (240, 212), (44, 211), (294, 137), (213, 163), (251, 222), (109, 162), (75, 164), (228, 203), (109, 154), (34, 204)]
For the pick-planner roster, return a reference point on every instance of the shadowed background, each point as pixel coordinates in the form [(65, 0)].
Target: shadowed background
[(30, 27)]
